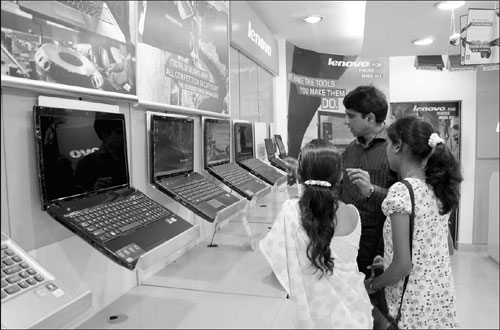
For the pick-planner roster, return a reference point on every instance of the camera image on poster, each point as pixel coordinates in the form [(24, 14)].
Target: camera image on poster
[(78, 43), (481, 43), (183, 53)]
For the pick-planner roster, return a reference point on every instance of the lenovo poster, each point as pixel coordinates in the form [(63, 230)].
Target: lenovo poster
[(318, 83), (86, 44), (445, 118), (183, 54)]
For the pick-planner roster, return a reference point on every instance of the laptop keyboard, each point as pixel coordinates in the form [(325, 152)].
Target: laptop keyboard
[(279, 162), (234, 174), (198, 191), (18, 273), (92, 8), (263, 169), (110, 220)]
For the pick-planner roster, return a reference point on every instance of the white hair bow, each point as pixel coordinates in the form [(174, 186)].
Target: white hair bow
[(434, 140)]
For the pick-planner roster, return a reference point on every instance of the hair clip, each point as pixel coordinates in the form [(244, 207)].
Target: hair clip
[(434, 140), (318, 183)]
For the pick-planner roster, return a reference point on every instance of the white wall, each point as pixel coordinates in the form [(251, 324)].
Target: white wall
[(408, 84), (281, 95)]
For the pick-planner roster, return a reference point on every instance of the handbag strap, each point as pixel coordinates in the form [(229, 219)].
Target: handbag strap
[(412, 218)]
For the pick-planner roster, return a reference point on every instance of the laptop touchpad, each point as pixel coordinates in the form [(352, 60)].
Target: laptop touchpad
[(215, 204)]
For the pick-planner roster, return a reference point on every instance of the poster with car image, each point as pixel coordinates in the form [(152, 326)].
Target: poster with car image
[(183, 54), (79, 43)]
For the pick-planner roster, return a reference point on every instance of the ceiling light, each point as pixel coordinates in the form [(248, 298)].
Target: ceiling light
[(446, 5), (423, 41), (313, 19)]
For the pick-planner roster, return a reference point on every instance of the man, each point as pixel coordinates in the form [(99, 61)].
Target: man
[(368, 175)]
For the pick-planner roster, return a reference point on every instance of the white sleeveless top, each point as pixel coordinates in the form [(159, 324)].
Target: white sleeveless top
[(338, 300)]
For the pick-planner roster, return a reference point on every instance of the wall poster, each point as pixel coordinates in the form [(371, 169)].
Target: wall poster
[(318, 83), (331, 127), (183, 54), (481, 44), (444, 116), (86, 44)]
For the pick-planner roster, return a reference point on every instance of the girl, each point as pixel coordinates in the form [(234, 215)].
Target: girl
[(422, 159), (313, 245)]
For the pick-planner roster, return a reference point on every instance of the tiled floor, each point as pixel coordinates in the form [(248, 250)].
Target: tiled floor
[(231, 286)]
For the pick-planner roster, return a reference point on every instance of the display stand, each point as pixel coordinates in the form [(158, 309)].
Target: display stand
[(235, 212), (281, 180), (60, 318), (94, 280), (164, 254)]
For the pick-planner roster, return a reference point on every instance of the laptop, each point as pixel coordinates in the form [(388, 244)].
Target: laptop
[(271, 157), (217, 159), (172, 168), (281, 146), (244, 154), (89, 16), (29, 291), (84, 184)]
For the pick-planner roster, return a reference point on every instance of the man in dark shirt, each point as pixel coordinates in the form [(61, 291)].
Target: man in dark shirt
[(367, 174)]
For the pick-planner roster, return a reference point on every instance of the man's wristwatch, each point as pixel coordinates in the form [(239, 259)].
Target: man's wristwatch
[(372, 189)]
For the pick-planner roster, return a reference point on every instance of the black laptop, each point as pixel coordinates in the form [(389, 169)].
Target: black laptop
[(281, 147), (172, 168), (217, 159), (244, 154), (271, 155), (84, 184)]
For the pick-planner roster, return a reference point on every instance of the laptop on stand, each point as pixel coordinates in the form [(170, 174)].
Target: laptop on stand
[(84, 184), (271, 157), (217, 159), (172, 168), (244, 154), (31, 295), (281, 147)]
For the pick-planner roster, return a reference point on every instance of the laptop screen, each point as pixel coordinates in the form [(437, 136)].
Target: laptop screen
[(216, 141), (172, 146), (243, 141), (80, 153), (269, 148), (279, 142)]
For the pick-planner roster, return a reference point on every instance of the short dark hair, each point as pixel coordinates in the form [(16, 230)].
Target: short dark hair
[(366, 99)]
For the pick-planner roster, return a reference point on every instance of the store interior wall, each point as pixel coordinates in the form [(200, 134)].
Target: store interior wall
[(281, 95), (487, 155)]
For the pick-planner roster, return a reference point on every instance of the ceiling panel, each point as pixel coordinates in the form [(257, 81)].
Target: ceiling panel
[(367, 28)]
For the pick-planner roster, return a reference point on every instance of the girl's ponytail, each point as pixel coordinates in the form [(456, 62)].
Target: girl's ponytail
[(443, 173)]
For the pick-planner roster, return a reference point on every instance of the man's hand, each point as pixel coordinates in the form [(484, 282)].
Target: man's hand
[(361, 179)]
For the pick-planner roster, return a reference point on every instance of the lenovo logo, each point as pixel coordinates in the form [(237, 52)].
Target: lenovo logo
[(363, 64), (257, 39), (417, 108)]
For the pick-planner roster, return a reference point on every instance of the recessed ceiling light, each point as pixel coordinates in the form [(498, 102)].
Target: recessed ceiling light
[(423, 41), (313, 19), (446, 5)]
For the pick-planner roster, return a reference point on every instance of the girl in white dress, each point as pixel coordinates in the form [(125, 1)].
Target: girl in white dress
[(422, 159), (313, 245)]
